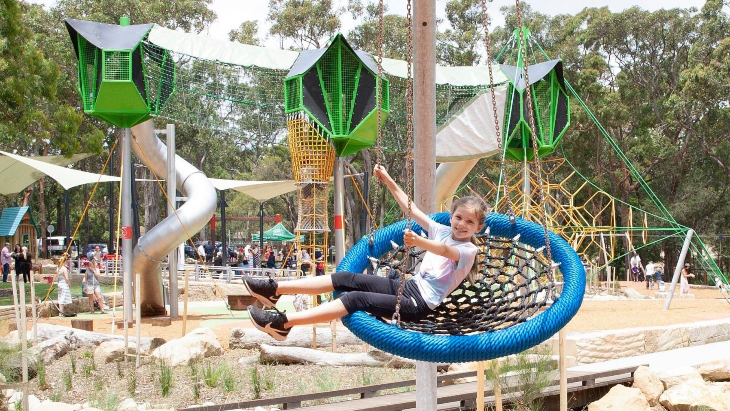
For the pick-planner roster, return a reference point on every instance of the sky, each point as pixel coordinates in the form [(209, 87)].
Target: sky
[(231, 13)]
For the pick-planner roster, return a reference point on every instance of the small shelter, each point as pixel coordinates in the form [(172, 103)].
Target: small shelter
[(18, 227), (276, 233)]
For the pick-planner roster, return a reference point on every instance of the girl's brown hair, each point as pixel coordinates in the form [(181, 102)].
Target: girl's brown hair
[(481, 210)]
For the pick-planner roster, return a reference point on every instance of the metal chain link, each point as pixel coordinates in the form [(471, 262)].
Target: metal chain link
[(379, 139), (533, 130), (485, 22), (409, 153)]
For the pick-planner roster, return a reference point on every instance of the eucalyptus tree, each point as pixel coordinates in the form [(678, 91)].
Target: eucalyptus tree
[(306, 24)]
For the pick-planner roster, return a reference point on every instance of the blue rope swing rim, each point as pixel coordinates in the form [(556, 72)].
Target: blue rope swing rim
[(476, 347)]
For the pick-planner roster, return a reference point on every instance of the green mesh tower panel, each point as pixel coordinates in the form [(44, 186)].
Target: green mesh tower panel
[(337, 88), (551, 109), (111, 70)]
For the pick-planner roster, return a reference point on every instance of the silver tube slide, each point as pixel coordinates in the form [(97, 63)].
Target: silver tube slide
[(153, 247), (449, 177)]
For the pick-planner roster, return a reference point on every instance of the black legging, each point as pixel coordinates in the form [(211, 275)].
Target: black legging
[(377, 296)]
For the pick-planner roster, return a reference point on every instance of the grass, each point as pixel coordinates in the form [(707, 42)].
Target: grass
[(41, 289), (7, 351), (165, 378), (211, 375)]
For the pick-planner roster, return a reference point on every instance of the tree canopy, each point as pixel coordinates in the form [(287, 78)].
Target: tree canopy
[(656, 81)]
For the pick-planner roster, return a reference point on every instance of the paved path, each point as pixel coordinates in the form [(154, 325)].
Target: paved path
[(665, 360)]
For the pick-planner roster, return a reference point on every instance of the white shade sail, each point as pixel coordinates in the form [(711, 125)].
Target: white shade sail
[(260, 190), (18, 172)]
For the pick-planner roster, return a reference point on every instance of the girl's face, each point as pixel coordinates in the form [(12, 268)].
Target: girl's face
[(464, 223)]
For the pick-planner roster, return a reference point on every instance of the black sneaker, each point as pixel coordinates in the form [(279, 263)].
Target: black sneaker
[(263, 290), (271, 323)]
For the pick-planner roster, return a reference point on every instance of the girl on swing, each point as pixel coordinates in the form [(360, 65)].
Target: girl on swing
[(449, 258)]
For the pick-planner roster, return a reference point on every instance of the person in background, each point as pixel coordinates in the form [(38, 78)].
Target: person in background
[(201, 251), (6, 259), (306, 262), (92, 287), (636, 266), (25, 264), (649, 275), (684, 279), (17, 258), (256, 256), (270, 258), (318, 262), (209, 251), (64, 285), (248, 256)]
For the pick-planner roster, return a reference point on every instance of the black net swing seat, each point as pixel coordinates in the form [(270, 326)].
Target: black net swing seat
[(512, 284), (510, 307)]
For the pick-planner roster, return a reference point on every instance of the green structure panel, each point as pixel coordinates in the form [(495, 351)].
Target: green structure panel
[(337, 89), (112, 67), (120, 97), (551, 110), (364, 136)]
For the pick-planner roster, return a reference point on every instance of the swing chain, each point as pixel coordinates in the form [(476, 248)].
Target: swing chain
[(379, 138), (533, 131), (409, 153), (485, 22)]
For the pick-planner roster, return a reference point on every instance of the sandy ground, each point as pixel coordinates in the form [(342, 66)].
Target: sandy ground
[(595, 314)]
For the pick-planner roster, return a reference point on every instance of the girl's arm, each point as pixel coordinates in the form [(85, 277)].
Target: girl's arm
[(416, 214), (412, 239)]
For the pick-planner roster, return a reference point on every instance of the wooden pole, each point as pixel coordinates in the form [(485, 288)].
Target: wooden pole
[(424, 164), (24, 344), (138, 312), (563, 371), (497, 386), (480, 386), (35, 308), (185, 304), (15, 300)]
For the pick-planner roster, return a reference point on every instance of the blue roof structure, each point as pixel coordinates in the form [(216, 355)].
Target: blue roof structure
[(10, 220)]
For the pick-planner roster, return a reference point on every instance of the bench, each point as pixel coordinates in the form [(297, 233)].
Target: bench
[(242, 301)]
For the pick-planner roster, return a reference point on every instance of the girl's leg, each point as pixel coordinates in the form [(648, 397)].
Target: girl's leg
[(309, 285), (91, 303), (321, 313), (99, 300)]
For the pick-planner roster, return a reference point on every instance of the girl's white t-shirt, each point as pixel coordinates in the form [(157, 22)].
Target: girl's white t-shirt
[(438, 276)]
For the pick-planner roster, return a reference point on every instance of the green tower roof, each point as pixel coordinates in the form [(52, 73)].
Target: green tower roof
[(112, 83), (337, 87)]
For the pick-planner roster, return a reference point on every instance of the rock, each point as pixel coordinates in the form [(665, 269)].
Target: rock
[(33, 402), (254, 359), (110, 351), (676, 376), (298, 337), (692, 395), (127, 405), (57, 406), (621, 398), (651, 386), (85, 339), (55, 348), (635, 295), (197, 344), (715, 371)]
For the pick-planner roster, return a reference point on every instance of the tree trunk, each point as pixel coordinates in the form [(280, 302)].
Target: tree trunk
[(42, 204), (297, 355)]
